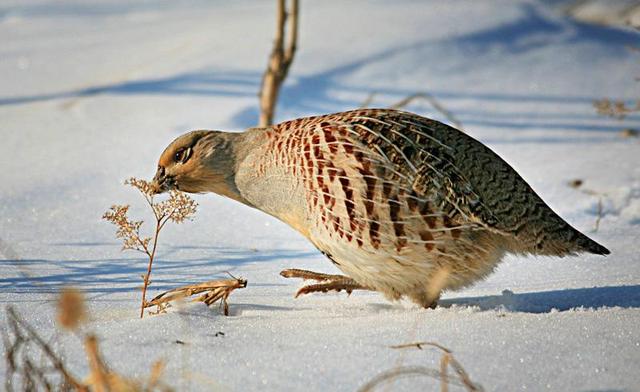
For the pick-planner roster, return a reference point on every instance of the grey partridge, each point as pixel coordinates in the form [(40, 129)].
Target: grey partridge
[(401, 204)]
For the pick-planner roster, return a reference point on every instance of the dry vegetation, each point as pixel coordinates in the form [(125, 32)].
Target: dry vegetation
[(460, 377), (618, 109), (280, 60), (213, 290), (615, 108), (177, 208), (33, 365)]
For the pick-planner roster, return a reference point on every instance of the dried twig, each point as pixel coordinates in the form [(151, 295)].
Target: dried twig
[(22, 343), (21, 367), (446, 360), (178, 208), (279, 61), (99, 378), (434, 103), (213, 290)]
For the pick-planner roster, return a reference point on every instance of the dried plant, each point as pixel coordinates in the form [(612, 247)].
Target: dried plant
[(103, 379), (279, 61), (71, 311), (460, 378), (22, 345), (213, 290), (48, 372), (177, 208), (615, 108)]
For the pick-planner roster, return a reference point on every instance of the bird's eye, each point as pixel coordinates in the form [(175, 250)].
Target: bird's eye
[(182, 155)]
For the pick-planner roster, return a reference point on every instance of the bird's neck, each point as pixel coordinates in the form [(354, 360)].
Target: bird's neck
[(237, 147)]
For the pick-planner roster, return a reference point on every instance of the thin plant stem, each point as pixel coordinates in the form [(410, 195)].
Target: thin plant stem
[(152, 255), (15, 322)]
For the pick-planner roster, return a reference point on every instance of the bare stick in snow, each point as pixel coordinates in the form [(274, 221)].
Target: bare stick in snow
[(279, 61)]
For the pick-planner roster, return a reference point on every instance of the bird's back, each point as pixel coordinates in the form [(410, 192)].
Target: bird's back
[(426, 160), (501, 199)]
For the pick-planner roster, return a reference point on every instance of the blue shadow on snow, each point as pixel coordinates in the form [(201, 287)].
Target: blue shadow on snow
[(560, 300)]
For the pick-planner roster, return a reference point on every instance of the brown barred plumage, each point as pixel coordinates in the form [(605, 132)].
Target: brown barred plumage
[(400, 203)]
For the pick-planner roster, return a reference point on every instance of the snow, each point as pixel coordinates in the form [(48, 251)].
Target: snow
[(92, 91)]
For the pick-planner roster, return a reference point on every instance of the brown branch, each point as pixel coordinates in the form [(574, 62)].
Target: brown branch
[(18, 325), (279, 61), (99, 372), (292, 36)]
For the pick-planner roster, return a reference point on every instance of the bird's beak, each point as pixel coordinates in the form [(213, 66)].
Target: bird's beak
[(161, 182)]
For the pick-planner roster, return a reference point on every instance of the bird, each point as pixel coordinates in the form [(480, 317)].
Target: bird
[(401, 204)]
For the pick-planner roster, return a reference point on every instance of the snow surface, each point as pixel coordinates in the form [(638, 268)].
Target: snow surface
[(92, 91)]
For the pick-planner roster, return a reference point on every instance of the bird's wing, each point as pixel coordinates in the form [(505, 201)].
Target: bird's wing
[(465, 180), (423, 157)]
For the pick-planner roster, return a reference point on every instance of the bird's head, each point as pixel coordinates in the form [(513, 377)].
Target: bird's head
[(197, 162)]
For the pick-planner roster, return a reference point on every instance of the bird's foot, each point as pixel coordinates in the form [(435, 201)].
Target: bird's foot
[(327, 283), (310, 275)]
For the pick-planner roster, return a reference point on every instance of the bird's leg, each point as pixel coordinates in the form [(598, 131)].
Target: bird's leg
[(426, 300), (327, 283), (309, 275)]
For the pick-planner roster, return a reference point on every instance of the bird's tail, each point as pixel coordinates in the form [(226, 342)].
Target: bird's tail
[(559, 238), (586, 244)]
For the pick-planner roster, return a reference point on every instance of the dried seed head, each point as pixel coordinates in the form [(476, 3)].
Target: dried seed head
[(71, 310), (177, 208), (142, 185), (128, 230), (182, 206)]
